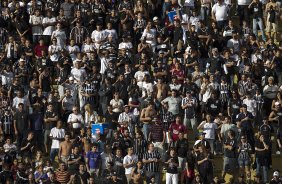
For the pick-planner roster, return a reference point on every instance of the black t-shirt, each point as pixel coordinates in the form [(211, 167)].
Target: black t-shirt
[(260, 154), (215, 64), (266, 131), (112, 119), (230, 153), (256, 9), (182, 147), (75, 166), (28, 150), (172, 165), (84, 176), (51, 124), (21, 119)]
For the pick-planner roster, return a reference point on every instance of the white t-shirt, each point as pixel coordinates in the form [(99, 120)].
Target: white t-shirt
[(220, 11), (87, 48), (49, 29), (98, 36), (78, 74), (60, 36), (209, 129), (251, 105), (72, 51), (54, 49), (146, 87), (139, 75), (112, 32), (57, 133), (117, 105), (76, 117), (150, 36), (36, 30), (244, 2), (127, 160)]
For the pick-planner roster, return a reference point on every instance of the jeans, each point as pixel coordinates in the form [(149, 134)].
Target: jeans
[(146, 129), (171, 178), (221, 24), (205, 11), (182, 162), (259, 22), (53, 153), (264, 170), (165, 7), (243, 12), (211, 142)]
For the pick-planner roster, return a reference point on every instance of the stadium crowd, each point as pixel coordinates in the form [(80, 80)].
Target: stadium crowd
[(140, 91)]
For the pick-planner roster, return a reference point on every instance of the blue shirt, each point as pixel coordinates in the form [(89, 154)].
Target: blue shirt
[(93, 159)]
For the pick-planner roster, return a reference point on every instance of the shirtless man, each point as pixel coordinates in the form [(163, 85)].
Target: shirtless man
[(65, 149), (146, 118), (86, 140), (161, 89)]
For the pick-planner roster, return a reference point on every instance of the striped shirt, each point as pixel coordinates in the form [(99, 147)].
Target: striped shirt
[(224, 92), (259, 103), (139, 147), (245, 149), (166, 117), (89, 89), (62, 176), (190, 110), (153, 166), (79, 34)]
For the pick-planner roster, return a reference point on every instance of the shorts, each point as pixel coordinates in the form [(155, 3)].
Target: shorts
[(244, 162), (46, 136), (229, 164), (65, 159)]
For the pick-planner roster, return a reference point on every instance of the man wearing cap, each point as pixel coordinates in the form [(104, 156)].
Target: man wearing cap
[(276, 178), (201, 141), (189, 106)]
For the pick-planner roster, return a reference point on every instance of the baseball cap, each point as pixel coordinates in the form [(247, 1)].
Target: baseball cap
[(155, 18), (71, 78), (276, 173)]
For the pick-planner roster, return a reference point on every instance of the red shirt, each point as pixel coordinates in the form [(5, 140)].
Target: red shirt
[(38, 48), (178, 73), (175, 129)]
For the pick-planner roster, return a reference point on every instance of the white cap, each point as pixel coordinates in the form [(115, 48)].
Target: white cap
[(277, 103), (276, 173), (155, 18), (71, 78)]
